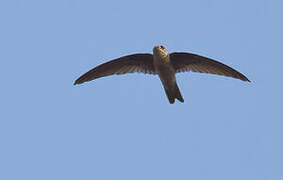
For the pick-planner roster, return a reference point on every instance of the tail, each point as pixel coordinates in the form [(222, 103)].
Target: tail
[(174, 93)]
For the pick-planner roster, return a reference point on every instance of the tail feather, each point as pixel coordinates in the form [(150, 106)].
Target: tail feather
[(178, 94), (170, 96), (174, 93)]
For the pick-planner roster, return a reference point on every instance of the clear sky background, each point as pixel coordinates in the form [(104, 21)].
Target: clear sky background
[(123, 127)]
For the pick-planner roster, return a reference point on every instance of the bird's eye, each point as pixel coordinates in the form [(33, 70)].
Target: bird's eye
[(162, 47)]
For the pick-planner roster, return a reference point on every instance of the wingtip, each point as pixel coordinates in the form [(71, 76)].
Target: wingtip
[(76, 82), (246, 79), (243, 78)]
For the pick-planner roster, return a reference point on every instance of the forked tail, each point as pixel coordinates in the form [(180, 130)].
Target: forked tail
[(174, 93)]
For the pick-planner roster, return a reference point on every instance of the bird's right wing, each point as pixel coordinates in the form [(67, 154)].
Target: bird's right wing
[(191, 62), (127, 64)]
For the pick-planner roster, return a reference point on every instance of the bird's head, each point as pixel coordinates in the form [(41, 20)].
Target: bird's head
[(160, 51)]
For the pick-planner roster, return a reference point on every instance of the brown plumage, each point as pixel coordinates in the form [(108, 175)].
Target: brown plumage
[(126, 64), (163, 64), (183, 62)]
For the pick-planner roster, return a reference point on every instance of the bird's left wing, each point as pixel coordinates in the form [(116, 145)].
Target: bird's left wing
[(126, 64), (191, 62)]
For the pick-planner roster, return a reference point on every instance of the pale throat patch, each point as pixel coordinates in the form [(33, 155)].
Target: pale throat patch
[(161, 53)]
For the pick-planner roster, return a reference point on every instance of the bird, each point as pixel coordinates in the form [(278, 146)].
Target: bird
[(164, 65)]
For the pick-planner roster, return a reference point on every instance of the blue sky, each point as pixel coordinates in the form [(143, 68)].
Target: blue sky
[(122, 127)]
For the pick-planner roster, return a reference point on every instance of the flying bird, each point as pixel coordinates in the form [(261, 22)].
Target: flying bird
[(164, 65)]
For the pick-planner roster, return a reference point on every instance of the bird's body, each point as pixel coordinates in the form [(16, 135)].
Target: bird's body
[(166, 73), (163, 64)]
